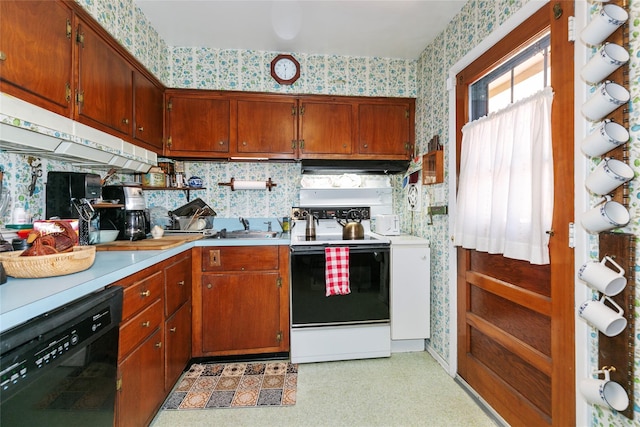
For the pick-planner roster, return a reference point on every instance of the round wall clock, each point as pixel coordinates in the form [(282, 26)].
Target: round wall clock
[(285, 69)]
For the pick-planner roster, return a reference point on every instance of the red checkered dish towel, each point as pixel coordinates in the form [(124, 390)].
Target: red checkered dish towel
[(337, 271)]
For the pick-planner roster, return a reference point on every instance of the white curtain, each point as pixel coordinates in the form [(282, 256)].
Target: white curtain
[(505, 189)]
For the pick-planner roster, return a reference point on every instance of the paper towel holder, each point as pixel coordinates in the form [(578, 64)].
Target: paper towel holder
[(259, 186)]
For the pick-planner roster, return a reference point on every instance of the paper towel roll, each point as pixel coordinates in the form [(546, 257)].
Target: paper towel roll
[(249, 185)]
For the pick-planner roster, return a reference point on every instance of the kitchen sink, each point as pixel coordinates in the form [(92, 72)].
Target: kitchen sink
[(248, 234)]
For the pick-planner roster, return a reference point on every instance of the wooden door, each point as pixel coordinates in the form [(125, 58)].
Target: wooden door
[(105, 88), (385, 130), (197, 126), (326, 128), (267, 127), (148, 101), (515, 320), (241, 313), (36, 49)]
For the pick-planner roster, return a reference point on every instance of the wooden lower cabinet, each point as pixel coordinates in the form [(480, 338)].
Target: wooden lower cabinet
[(241, 300), (155, 338), (142, 389)]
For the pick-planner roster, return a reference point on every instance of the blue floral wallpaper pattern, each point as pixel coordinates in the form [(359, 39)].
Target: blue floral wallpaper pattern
[(424, 79)]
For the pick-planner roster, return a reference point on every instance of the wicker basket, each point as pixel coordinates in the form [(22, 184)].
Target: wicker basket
[(31, 267)]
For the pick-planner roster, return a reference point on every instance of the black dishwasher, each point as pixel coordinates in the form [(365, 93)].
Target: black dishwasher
[(59, 369)]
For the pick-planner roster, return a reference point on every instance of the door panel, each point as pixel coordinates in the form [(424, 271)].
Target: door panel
[(515, 319)]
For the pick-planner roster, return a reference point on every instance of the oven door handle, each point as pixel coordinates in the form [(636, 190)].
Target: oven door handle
[(319, 249)]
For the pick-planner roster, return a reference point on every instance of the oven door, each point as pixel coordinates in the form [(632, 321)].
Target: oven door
[(368, 301)]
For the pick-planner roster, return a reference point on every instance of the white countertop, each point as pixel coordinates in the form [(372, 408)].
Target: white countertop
[(24, 299)]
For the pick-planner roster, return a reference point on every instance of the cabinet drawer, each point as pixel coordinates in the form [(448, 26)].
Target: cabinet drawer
[(139, 327), (240, 258), (177, 285), (142, 293)]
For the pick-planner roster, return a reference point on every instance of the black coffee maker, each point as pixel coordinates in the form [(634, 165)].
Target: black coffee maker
[(133, 220)]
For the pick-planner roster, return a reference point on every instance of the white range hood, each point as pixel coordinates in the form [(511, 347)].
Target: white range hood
[(30, 130)]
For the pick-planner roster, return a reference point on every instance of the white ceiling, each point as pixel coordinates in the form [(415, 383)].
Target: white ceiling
[(368, 28)]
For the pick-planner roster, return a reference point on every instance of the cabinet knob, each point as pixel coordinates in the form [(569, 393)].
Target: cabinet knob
[(159, 344), (244, 143), (3, 56), (366, 145), (125, 121), (146, 324), (141, 129), (181, 283), (221, 143), (172, 329), (145, 293), (209, 286)]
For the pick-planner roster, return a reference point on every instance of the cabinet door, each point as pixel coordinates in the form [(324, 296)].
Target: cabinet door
[(197, 126), (141, 384), (326, 128), (241, 313), (177, 345), (384, 130), (267, 128), (410, 292), (104, 98), (36, 46), (148, 101), (177, 285)]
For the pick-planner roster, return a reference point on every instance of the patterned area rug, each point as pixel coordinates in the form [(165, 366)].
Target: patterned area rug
[(235, 385)]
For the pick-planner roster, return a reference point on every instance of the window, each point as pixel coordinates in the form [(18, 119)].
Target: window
[(521, 76)]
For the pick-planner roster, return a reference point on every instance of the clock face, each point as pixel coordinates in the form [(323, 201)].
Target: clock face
[(285, 69)]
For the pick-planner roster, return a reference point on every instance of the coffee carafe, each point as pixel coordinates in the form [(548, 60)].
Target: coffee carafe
[(310, 230), (135, 225)]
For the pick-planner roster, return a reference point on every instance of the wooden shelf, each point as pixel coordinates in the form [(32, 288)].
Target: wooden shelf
[(187, 190), (433, 167)]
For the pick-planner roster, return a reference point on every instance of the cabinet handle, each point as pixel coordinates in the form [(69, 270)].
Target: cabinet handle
[(221, 143), (3, 56), (141, 129), (159, 344), (209, 286), (366, 145), (125, 121), (146, 324), (244, 143), (181, 283), (145, 293), (172, 329)]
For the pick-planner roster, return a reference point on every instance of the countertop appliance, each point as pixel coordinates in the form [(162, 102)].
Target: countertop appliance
[(64, 187), (59, 369), (338, 327), (133, 220), (386, 224)]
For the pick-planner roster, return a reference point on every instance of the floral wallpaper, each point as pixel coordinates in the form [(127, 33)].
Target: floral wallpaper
[(424, 78)]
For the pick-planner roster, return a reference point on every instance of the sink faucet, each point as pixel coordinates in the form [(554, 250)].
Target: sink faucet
[(268, 226), (245, 223)]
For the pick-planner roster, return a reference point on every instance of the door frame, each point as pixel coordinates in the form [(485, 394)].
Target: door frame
[(513, 22)]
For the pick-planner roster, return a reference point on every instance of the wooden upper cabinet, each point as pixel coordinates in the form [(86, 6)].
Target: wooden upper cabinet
[(197, 125), (267, 127), (147, 120), (105, 89), (386, 129), (326, 128), (36, 53)]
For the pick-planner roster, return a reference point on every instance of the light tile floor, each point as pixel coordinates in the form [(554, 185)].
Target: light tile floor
[(407, 389)]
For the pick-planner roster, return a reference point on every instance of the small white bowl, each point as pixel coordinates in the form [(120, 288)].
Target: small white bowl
[(103, 236)]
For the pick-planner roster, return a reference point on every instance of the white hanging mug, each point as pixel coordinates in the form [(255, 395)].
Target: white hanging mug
[(607, 98), (602, 278), (596, 313), (610, 18), (604, 392), (609, 58), (608, 175), (605, 138), (606, 215)]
